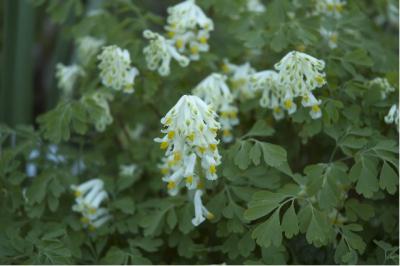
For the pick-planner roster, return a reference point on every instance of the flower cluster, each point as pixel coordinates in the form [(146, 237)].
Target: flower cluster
[(67, 77), (188, 31), (159, 52), (298, 75), (332, 8), (393, 116), (88, 198), (116, 71), (214, 91), (190, 144), (239, 79), (383, 85)]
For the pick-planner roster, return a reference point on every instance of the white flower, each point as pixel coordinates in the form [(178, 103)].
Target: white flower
[(88, 47), (333, 8), (116, 71), (255, 6), (127, 170), (214, 91), (330, 36), (187, 16), (393, 116), (159, 52), (310, 101), (88, 198), (239, 76), (190, 132), (201, 213), (67, 77), (300, 73), (383, 85)]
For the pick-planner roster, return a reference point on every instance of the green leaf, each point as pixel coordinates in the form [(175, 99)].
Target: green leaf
[(290, 224), (389, 180), (246, 244), (255, 154), (358, 57), (147, 244), (274, 155), (126, 205), (367, 180), (356, 209), (269, 232), (260, 129), (37, 191), (242, 159), (262, 203)]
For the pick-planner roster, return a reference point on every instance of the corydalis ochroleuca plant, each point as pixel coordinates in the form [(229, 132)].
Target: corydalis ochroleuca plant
[(88, 198), (190, 144), (214, 91), (116, 71)]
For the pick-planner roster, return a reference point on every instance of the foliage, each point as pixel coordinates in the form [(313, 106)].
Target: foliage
[(295, 191)]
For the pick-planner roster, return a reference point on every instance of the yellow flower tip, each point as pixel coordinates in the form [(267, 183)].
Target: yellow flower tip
[(191, 137), (339, 7), (91, 228), (171, 34), (189, 179), (306, 98), (77, 193), (171, 134), (320, 80), (84, 220), (301, 47), (277, 110), (288, 104), (213, 147), (226, 133), (164, 171), (214, 130), (92, 210), (164, 145), (315, 108), (179, 43), (212, 169), (177, 156), (203, 40), (171, 185), (210, 216), (233, 115), (171, 163), (194, 49), (330, 7), (333, 38), (201, 149), (168, 121), (225, 68)]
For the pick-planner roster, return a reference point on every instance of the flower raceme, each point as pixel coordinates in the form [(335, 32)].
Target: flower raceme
[(239, 76), (116, 71), (214, 91), (87, 48), (190, 144), (332, 8), (159, 52), (88, 198), (383, 85), (188, 30), (393, 116)]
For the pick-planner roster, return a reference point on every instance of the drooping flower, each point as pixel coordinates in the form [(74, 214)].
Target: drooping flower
[(310, 101), (201, 212), (88, 198), (333, 8), (116, 71), (159, 52), (239, 79), (330, 36), (67, 77), (189, 28), (255, 6), (190, 144), (393, 116), (383, 85), (214, 91), (88, 47)]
